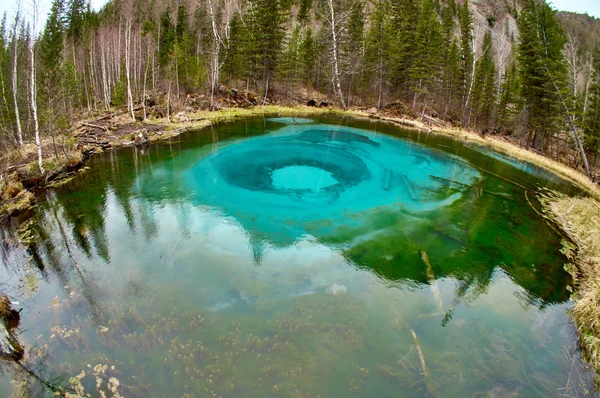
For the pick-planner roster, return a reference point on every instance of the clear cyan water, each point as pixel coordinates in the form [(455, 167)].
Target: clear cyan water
[(295, 257)]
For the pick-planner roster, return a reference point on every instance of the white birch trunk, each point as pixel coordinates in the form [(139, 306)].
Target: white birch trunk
[(127, 69), (36, 127), (335, 56)]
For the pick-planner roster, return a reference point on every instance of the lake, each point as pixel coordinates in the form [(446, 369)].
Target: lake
[(294, 257)]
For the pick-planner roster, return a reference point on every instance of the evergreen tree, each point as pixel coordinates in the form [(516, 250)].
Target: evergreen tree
[(404, 18), (510, 99), (452, 80), (51, 43), (304, 11), (592, 117), (236, 56), (354, 46), (308, 58), (267, 18), (378, 49), (484, 85), (427, 55), (466, 46), (542, 69), (75, 18), (6, 112), (166, 38), (291, 57)]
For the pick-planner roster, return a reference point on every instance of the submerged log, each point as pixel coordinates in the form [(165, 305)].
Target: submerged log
[(426, 374), (409, 187), (387, 179), (10, 348), (435, 290)]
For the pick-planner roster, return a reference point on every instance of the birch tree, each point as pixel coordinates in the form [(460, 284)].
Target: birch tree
[(33, 99), (335, 21)]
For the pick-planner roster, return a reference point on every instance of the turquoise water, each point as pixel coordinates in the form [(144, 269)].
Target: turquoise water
[(295, 257)]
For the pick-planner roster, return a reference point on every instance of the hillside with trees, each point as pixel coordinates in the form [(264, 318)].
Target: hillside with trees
[(512, 68)]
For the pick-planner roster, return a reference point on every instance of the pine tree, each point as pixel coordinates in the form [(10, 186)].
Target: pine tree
[(234, 65), (51, 43), (592, 117), (427, 55), (267, 18), (467, 56), (291, 57), (484, 85), (542, 68), (304, 11), (404, 19), (308, 58), (354, 46), (166, 37), (6, 113), (510, 99), (75, 18), (451, 73), (452, 80), (378, 51)]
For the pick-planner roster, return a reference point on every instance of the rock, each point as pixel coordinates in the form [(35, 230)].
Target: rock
[(337, 289), (311, 102), (141, 138), (150, 101), (182, 117)]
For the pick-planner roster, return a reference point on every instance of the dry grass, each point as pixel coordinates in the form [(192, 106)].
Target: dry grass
[(5, 307), (580, 219)]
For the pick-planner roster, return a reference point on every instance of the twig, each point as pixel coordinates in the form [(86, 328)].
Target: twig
[(407, 354)]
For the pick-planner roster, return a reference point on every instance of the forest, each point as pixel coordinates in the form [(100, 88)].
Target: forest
[(514, 68)]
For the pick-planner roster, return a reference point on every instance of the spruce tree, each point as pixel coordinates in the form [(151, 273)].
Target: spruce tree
[(267, 18), (452, 81), (592, 117), (234, 65), (354, 45), (378, 49), (427, 55), (404, 20), (51, 43), (484, 85), (466, 46), (542, 68), (308, 53), (510, 100)]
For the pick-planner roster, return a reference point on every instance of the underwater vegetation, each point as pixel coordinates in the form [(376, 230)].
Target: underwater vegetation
[(262, 257)]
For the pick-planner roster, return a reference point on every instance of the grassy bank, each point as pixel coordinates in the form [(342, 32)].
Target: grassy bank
[(580, 219)]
